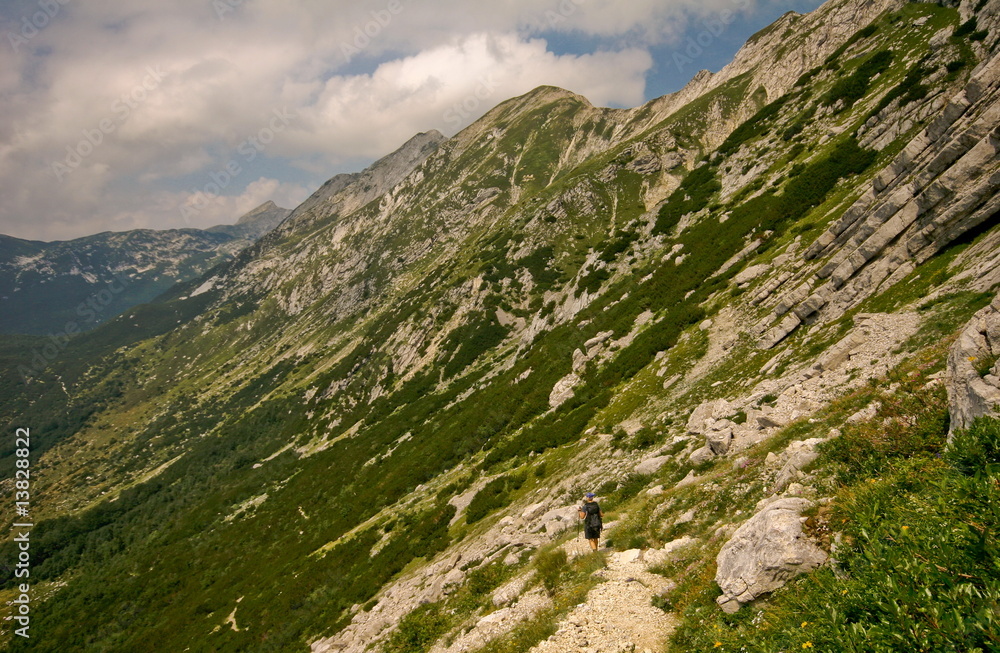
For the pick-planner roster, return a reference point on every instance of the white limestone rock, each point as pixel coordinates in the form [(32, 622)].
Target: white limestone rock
[(969, 394), (765, 552)]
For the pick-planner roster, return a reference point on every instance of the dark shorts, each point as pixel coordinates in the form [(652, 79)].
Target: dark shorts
[(592, 532)]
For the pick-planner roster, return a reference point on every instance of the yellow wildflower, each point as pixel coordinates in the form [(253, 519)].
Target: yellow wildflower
[(717, 645), (807, 645), (804, 624)]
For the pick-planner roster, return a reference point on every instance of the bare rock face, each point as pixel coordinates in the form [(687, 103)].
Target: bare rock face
[(718, 440), (764, 553), (971, 395), (698, 456), (562, 391), (942, 185)]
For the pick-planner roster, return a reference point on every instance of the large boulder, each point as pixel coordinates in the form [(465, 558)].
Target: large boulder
[(699, 456), (702, 416), (765, 552), (970, 394), (652, 465), (718, 440)]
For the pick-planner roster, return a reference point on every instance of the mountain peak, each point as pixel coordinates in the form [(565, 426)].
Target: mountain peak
[(269, 205)]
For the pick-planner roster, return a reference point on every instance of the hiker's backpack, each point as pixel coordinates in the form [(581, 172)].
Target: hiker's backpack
[(593, 515)]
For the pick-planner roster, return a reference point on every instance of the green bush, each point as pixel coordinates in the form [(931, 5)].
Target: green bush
[(955, 66), (613, 247), (483, 580), (977, 449), (539, 264), (854, 87), (966, 29), (418, 630), (470, 341), (550, 566), (593, 280), (494, 495), (691, 196)]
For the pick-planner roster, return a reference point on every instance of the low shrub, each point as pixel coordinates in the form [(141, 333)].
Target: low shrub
[(418, 630), (550, 566)]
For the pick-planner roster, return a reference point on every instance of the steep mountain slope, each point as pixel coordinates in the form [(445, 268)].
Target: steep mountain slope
[(370, 429), (46, 287)]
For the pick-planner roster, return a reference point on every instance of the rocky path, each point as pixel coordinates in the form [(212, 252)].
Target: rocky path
[(618, 615)]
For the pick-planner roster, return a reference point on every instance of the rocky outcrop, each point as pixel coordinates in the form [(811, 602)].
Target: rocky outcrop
[(973, 379), (793, 460), (563, 391), (765, 552), (705, 415), (943, 184)]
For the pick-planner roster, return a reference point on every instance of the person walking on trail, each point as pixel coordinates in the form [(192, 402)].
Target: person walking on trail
[(593, 520)]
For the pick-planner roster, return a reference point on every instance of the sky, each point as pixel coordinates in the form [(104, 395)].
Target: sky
[(150, 114)]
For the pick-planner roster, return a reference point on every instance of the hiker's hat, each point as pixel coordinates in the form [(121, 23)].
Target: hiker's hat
[(590, 495)]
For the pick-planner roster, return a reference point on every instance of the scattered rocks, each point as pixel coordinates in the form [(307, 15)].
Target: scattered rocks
[(498, 623), (654, 557), (511, 590), (685, 517)]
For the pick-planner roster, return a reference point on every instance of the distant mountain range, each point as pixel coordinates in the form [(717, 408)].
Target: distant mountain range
[(78, 284)]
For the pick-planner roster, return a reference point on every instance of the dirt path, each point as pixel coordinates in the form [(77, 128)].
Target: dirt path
[(618, 615)]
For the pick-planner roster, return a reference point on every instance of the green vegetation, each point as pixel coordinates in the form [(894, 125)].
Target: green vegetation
[(471, 340), (917, 563), (854, 87), (970, 29), (692, 196), (910, 89), (418, 630), (753, 128), (495, 494), (550, 565)]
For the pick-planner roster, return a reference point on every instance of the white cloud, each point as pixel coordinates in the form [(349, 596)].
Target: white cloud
[(448, 86), (114, 106)]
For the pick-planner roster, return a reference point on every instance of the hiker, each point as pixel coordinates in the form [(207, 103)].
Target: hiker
[(593, 518)]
